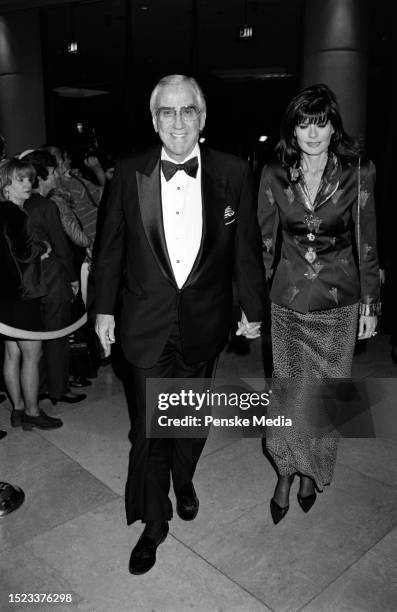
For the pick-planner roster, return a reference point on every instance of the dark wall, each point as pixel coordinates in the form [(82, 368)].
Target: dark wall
[(124, 49)]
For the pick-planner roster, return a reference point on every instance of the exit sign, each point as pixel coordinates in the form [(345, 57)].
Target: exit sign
[(245, 32)]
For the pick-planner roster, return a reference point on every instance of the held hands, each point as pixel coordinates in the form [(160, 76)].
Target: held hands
[(367, 327), (249, 330), (104, 327)]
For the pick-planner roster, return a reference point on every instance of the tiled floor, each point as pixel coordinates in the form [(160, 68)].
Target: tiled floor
[(70, 534)]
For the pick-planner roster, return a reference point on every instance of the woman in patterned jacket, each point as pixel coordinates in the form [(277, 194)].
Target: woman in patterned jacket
[(317, 217)]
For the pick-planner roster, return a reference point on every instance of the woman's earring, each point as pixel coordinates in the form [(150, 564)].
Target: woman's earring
[(6, 194)]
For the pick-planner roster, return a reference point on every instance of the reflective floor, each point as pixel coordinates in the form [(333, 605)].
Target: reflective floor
[(70, 535)]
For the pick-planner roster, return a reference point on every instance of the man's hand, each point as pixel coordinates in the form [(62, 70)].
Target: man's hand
[(75, 287), (104, 327), (366, 327), (249, 330)]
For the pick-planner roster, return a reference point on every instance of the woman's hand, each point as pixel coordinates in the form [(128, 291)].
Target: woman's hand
[(367, 327), (48, 251)]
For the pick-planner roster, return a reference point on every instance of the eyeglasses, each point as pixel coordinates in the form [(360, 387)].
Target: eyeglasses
[(186, 113)]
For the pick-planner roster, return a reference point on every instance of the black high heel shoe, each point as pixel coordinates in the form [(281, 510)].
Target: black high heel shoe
[(277, 512), (307, 502), (79, 381)]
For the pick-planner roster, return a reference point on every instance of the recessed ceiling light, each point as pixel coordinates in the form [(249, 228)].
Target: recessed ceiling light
[(73, 47)]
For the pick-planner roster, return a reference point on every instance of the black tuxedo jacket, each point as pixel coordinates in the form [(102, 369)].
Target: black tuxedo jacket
[(132, 241)]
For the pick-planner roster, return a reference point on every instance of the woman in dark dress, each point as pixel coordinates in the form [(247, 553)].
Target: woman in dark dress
[(316, 209), (21, 287)]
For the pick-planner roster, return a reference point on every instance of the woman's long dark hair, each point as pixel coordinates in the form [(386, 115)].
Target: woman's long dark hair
[(315, 104)]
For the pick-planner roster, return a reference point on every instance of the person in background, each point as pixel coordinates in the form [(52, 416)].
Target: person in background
[(59, 275), (21, 289), (81, 246), (318, 201), (87, 195), (63, 198)]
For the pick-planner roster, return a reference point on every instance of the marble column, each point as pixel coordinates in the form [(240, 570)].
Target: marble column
[(335, 39), (22, 118)]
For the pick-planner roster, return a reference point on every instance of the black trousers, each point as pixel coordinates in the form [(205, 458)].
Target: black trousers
[(54, 364), (153, 461)]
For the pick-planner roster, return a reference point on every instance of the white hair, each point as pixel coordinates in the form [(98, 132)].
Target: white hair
[(177, 79)]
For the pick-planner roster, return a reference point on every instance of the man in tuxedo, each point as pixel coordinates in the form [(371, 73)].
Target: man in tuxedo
[(180, 223)]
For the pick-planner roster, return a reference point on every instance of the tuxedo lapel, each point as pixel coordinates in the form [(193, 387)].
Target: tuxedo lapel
[(213, 196), (149, 194)]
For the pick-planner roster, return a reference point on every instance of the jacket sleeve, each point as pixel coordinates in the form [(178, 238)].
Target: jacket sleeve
[(22, 245), (364, 216), (70, 222), (110, 247), (58, 240), (268, 221)]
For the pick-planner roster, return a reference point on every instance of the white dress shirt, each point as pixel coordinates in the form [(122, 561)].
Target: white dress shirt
[(182, 217)]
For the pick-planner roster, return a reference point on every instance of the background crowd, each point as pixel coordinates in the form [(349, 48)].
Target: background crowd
[(49, 207)]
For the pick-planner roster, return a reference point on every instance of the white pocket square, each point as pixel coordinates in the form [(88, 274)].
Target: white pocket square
[(229, 212)]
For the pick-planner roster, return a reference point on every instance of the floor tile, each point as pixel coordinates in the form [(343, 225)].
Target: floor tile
[(22, 572), (370, 585), (180, 580), (287, 564), (56, 488), (374, 457), (97, 438), (240, 479)]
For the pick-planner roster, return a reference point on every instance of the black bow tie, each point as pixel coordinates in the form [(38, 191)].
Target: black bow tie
[(169, 168)]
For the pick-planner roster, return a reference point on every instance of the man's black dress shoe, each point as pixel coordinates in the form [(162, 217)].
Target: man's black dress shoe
[(143, 555), (41, 421), (187, 503), (2, 434), (79, 381), (68, 399)]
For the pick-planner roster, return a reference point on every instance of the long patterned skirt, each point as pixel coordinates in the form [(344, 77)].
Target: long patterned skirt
[(309, 351)]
